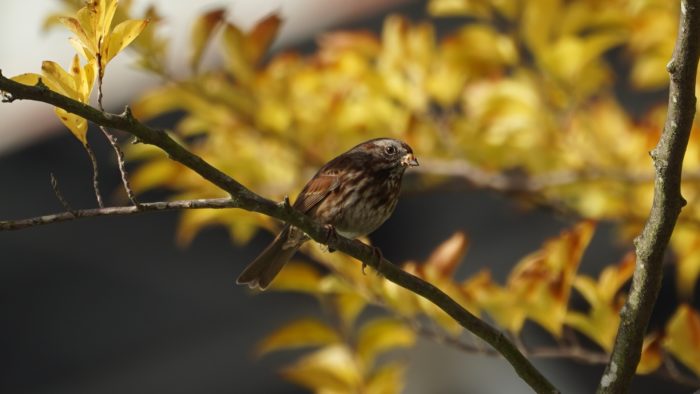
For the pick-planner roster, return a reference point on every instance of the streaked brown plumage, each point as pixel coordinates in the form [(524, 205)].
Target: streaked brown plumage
[(354, 193)]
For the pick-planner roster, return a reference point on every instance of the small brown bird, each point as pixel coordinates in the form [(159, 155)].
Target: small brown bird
[(354, 193)]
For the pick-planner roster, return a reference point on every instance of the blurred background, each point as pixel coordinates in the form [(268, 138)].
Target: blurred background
[(112, 305)]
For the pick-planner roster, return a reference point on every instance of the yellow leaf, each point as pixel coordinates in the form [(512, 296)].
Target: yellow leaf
[(88, 17), (346, 299), (438, 270), (602, 320), (683, 337), (83, 78), (190, 126), (299, 333), (588, 289), (143, 152), (542, 281), (262, 36), (50, 21), (397, 298), (75, 83), (235, 52), (27, 78), (74, 25), (475, 8), (153, 174), (446, 83), (686, 244), (337, 43), (297, 276), (381, 335), (477, 290), (350, 304), (652, 28), (503, 306), (652, 354), (445, 259), (159, 101), (122, 35), (243, 227), (649, 72), (152, 47), (202, 31), (331, 369), (80, 49), (510, 119), (274, 115), (64, 82), (538, 21), (193, 220), (489, 50), (576, 60), (612, 278), (341, 264), (106, 15), (440, 317), (600, 325), (89, 73), (387, 379), (82, 87), (76, 124)]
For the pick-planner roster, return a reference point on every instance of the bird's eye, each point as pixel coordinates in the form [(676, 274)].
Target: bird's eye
[(390, 150)]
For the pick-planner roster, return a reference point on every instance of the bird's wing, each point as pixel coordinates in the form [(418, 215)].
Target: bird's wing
[(318, 188)]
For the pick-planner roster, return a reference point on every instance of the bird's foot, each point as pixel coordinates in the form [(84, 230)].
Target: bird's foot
[(378, 257), (331, 234)]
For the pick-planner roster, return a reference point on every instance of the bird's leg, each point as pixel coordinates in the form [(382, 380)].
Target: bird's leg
[(378, 257), (330, 234)]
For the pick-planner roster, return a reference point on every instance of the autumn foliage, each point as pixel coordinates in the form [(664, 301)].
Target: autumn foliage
[(526, 88)]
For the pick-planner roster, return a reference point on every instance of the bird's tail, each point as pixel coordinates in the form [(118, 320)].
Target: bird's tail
[(268, 264)]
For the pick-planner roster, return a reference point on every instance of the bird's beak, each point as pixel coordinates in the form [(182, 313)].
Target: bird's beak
[(409, 160)]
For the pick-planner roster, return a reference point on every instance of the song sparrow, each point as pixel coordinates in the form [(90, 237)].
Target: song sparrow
[(354, 193)]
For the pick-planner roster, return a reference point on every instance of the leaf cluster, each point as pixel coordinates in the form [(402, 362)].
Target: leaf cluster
[(539, 289)]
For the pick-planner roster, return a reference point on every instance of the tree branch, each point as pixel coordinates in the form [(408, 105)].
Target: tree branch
[(534, 188), (522, 182), (245, 199), (70, 215), (651, 244)]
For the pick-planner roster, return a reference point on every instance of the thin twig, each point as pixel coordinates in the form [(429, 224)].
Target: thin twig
[(252, 202), (121, 163), (59, 195), (651, 244), (110, 137), (71, 215), (522, 182), (533, 188), (671, 371), (573, 352), (95, 175)]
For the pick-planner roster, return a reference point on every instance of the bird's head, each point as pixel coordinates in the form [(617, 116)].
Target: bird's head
[(391, 153)]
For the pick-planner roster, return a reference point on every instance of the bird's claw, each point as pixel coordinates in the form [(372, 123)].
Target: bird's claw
[(378, 257)]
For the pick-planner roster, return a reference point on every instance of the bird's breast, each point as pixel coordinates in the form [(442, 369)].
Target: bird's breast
[(358, 208)]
